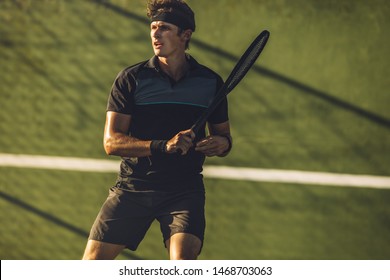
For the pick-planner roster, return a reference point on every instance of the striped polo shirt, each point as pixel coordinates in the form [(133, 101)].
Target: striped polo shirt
[(159, 109)]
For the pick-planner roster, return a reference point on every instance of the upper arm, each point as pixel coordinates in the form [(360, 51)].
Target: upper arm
[(116, 123)]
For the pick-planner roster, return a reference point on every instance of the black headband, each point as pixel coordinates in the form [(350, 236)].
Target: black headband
[(176, 18)]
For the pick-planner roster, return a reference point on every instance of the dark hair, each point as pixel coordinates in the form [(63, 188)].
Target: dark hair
[(178, 10)]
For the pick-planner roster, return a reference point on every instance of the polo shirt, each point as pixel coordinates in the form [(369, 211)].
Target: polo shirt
[(160, 108)]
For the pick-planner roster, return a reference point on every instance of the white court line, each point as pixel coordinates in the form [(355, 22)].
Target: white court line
[(221, 172), (59, 163), (297, 177)]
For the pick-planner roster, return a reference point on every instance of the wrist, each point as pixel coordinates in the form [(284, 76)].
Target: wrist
[(158, 147), (230, 144)]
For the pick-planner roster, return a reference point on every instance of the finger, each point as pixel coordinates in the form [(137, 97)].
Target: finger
[(206, 149), (183, 147), (203, 142), (210, 153), (189, 133), (183, 151), (202, 147), (186, 138), (209, 146), (188, 141)]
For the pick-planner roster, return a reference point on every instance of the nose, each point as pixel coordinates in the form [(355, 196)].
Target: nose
[(156, 33)]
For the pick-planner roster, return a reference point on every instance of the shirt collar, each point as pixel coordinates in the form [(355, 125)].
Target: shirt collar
[(153, 62)]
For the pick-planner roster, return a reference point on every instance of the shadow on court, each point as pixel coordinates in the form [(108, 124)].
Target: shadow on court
[(375, 118), (53, 219)]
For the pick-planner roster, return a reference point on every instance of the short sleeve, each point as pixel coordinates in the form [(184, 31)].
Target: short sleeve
[(220, 114), (121, 98)]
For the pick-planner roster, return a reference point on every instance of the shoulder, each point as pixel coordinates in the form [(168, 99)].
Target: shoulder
[(127, 77), (210, 72), (132, 71), (203, 70)]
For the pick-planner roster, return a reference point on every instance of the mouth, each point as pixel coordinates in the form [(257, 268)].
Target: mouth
[(157, 45)]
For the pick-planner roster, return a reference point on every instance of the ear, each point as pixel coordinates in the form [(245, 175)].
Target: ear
[(187, 34)]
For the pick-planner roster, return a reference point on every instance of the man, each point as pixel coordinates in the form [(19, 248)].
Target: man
[(150, 109)]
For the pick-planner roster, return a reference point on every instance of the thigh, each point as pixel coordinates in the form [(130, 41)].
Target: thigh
[(123, 219), (183, 213)]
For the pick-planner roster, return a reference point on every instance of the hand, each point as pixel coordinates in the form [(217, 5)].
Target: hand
[(212, 145), (181, 142)]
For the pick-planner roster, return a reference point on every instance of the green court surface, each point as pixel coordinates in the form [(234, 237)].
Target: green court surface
[(317, 100)]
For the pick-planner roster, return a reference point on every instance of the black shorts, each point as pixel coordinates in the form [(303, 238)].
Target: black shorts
[(126, 216)]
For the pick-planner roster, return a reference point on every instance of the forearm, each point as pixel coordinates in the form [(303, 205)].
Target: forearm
[(123, 145), (126, 146)]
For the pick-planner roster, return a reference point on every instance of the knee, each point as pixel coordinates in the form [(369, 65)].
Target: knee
[(96, 250), (88, 256), (187, 253), (184, 247), (91, 252), (184, 256)]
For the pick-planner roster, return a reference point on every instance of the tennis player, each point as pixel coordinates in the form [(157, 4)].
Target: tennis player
[(150, 109)]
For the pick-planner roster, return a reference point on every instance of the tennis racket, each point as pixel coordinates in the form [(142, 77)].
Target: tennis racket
[(239, 71)]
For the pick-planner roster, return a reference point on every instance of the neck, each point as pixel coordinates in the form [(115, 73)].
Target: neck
[(176, 67)]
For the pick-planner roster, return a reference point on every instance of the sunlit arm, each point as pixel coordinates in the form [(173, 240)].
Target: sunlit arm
[(117, 142)]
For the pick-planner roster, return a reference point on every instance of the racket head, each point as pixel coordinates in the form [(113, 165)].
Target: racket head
[(237, 74), (247, 60)]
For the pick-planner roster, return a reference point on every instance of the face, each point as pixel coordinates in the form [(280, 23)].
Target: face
[(165, 39)]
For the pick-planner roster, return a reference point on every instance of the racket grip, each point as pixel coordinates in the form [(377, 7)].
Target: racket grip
[(199, 123)]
